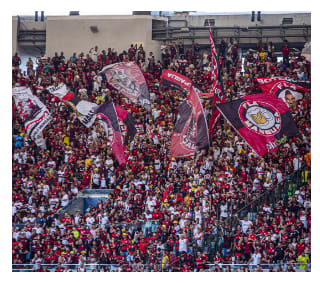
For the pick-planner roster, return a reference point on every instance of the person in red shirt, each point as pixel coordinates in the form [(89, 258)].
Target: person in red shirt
[(131, 250), (186, 268), (59, 268), (199, 262), (142, 247)]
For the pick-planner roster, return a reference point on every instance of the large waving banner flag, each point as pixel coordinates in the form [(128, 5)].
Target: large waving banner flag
[(33, 113), (191, 130), (190, 133), (263, 121), (289, 90), (128, 78), (84, 109), (107, 115), (126, 122)]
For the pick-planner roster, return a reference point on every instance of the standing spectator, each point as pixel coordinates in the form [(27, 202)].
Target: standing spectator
[(181, 48), (285, 52), (16, 61)]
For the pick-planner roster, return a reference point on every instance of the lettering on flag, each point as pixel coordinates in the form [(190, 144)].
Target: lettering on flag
[(289, 90)]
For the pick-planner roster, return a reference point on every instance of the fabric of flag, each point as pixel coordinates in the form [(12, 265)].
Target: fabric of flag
[(216, 89), (263, 121), (215, 116), (215, 63), (84, 109), (190, 133), (107, 116), (285, 88), (126, 123), (33, 113), (128, 79), (173, 79)]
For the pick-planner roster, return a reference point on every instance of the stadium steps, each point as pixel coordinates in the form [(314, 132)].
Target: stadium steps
[(83, 200), (72, 208)]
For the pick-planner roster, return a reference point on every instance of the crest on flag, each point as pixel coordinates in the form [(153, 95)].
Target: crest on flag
[(260, 117)]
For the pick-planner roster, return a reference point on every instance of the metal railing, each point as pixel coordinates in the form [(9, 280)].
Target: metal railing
[(218, 267)]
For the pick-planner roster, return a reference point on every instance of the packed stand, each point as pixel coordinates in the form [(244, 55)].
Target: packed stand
[(161, 211)]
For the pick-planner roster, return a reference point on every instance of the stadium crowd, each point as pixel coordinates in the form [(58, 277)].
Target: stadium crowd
[(161, 212)]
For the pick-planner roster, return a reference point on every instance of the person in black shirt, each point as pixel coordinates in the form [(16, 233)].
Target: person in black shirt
[(181, 48)]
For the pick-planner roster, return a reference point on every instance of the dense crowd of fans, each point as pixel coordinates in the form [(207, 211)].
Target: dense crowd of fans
[(161, 212)]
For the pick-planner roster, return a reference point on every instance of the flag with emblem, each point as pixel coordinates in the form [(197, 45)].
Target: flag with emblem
[(263, 121), (127, 78)]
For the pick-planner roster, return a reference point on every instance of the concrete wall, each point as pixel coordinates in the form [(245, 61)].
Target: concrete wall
[(73, 34), (14, 34)]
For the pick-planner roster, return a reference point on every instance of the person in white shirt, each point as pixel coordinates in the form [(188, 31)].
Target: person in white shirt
[(64, 200), (94, 53), (90, 220), (77, 217), (255, 258), (183, 242), (245, 223), (224, 210)]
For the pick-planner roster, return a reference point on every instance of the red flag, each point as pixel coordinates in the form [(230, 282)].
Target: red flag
[(216, 90), (191, 132), (215, 116), (171, 78), (215, 63), (126, 123), (290, 91), (107, 115)]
